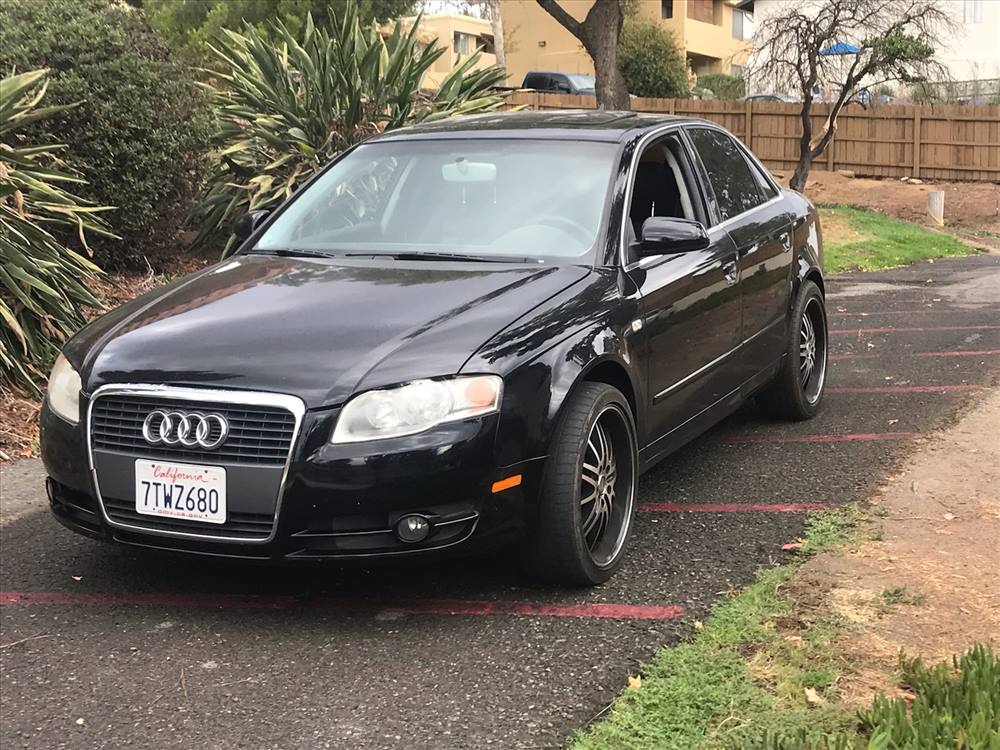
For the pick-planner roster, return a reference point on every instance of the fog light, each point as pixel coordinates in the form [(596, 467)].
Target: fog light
[(412, 529)]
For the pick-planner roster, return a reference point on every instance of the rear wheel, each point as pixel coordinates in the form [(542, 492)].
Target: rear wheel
[(588, 492), (797, 390)]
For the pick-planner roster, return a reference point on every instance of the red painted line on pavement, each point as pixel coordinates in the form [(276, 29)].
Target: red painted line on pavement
[(907, 389), (598, 610), (842, 438), (867, 313), (960, 353), (730, 507), (859, 331), (839, 357)]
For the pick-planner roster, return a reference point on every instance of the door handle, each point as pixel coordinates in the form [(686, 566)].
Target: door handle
[(729, 272)]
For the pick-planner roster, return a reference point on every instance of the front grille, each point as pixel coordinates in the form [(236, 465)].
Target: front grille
[(237, 525), (259, 435)]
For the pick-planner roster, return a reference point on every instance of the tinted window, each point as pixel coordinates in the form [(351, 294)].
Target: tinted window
[(734, 185), (538, 81), (765, 187)]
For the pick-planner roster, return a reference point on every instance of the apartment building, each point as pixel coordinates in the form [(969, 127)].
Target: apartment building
[(460, 35), (713, 34)]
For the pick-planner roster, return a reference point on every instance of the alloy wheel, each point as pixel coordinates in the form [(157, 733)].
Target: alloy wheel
[(812, 351), (607, 486)]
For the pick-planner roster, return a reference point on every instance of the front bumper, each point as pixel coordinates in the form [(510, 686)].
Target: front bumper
[(335, 502)]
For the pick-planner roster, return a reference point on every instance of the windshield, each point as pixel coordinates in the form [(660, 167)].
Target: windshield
[(541, 201), (581, 81)]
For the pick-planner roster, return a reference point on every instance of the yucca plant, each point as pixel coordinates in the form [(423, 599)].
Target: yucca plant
[(287, 105), (43, 283)]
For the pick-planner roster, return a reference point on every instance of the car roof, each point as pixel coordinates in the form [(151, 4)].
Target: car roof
[(570, 124)]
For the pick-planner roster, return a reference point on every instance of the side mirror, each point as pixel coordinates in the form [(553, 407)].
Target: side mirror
[(248, 223), (665, 234)]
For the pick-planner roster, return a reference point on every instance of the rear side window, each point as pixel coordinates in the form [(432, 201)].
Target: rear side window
[(735, 186)]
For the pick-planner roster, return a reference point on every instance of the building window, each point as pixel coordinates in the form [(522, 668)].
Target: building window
[(666, 8), (463, 43), (973, 11), (742, 25), (736, 70)]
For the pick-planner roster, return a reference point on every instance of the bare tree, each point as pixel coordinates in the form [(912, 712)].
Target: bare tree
[(850, 45), (598, 33)]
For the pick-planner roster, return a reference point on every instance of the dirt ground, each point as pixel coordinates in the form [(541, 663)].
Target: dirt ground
[(971, 209), (929, 585)]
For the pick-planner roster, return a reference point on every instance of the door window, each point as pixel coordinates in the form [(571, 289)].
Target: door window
[(728, 172)]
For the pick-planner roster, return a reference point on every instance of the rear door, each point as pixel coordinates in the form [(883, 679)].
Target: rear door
[(755, 217)]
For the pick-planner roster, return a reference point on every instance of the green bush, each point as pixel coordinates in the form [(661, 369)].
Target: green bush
[(289, 103), (189, 26), (650, 60), (43, 283), (140, 132), (723, 86)]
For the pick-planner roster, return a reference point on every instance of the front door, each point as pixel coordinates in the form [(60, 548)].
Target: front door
[(689, 303)]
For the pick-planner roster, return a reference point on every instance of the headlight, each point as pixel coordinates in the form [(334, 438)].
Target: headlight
[(416, 407), (64, 390)]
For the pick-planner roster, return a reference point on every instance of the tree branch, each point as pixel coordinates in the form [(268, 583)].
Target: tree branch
[(567, 21)]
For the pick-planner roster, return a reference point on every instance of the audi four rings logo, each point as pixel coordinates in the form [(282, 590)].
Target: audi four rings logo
[(207, 431)]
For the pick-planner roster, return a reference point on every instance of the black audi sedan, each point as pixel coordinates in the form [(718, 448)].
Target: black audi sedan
[(477, 330)]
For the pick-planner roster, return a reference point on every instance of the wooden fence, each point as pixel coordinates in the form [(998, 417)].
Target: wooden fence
[(946, 142)]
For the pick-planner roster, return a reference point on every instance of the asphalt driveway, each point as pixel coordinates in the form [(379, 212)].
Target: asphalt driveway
[(104, 647)]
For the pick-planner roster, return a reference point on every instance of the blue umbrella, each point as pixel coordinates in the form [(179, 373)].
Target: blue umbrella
[(841, 48)]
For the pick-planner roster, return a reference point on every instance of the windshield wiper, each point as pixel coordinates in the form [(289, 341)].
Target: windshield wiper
[(292, 252), (446, 257)]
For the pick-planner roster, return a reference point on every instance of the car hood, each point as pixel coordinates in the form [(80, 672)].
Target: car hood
[(318, 329)]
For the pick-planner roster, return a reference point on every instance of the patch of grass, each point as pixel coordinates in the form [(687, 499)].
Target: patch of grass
[(762, 673), (901, 595), (855, 239), (743, 673)]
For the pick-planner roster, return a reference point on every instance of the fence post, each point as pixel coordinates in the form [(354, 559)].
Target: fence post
[(916, 142), (748, 123)]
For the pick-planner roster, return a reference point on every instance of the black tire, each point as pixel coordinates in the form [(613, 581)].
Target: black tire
[(797, 393), (560, 549)]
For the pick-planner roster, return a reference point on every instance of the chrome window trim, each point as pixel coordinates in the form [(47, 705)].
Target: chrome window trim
[(292, 404)]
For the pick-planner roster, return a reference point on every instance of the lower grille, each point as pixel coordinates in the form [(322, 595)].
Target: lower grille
[(237, 526)]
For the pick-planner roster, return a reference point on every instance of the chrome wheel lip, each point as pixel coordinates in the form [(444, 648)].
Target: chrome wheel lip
[(610, 477), (812, 351)]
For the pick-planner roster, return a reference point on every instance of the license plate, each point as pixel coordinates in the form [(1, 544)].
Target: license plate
[(182, 491)]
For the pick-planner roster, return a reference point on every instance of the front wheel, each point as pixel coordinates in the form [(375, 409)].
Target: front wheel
[(797, 390), (588, 492)]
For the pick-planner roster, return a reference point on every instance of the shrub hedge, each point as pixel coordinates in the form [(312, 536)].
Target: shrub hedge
[(650, 60), (142, 127)]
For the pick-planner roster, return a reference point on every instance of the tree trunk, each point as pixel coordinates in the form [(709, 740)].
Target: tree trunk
[(801, 173), (600, 38), (496, 23), (598, 33)]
